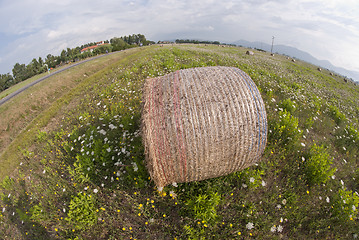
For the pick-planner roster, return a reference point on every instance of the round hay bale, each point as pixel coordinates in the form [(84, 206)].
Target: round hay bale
[(202, 123), (250, 53)]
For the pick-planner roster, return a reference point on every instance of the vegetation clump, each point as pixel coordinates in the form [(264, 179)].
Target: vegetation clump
[(317, 166)]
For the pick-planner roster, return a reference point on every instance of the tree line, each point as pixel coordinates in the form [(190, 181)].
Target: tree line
[(196, 41), (21, 72), (201, 42)]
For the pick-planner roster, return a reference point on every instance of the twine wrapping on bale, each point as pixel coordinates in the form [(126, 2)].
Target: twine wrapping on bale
[(202, 123)]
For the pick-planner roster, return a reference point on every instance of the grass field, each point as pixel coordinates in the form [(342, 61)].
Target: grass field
[(72, 163)]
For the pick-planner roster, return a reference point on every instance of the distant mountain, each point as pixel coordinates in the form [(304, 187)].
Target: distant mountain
[(294, 52)]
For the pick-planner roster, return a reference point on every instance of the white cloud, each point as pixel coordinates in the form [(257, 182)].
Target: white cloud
[(327, 29)]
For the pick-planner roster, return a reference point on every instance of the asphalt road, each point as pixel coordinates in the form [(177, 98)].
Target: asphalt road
[(8, 97)]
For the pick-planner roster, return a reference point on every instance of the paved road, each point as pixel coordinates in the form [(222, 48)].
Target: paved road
[(8, 97)]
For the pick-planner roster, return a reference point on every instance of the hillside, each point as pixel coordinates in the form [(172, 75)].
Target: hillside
[(294, 52), (72, 161)]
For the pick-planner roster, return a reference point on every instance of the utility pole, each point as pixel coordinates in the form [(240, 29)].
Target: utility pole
[(271, 50)]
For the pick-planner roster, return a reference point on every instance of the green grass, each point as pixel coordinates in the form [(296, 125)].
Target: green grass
[(86, 178)]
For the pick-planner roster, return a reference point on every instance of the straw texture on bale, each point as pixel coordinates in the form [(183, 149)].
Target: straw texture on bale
[(201, 123)]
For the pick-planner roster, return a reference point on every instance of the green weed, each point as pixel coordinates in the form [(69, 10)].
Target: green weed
[(345, 206), (82, 211), (335, 113), (317, 166)]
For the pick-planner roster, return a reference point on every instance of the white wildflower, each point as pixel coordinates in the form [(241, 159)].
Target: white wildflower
[(3, 209), (341, 181), (95, 190), (279, 228), (284, 201), (273, 228), (279, 206), (327, 199), (64, 210), (354, 208), (64, 189), (108, 149), (135, 168), (173, 194), (264, 183), (244, 185), (344, 149), (112, 126), (174, 184), (303, 144), (251, 180), (103, 132), (303, 159), (250, 226)]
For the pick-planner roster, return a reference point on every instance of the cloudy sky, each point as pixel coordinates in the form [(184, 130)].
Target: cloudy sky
[(327, 29)]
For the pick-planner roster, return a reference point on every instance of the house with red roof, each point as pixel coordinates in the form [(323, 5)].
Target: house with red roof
[(91, 48)]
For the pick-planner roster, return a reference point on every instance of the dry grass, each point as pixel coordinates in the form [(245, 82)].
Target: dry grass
[(20, 111)]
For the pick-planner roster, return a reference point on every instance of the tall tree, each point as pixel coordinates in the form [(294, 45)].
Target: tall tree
[(19, 72), (6, 81)]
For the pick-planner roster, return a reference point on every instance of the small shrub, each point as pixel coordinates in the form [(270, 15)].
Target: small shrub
[(284, 131), (82, 212), (288, 105), (345, 206), (337, 116), (348, 139), (37, 213), (41, 136), (317, 167), (204, 206), (7, 183)]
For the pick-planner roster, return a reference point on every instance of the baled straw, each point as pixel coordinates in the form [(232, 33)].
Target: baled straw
[(202, 123)]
